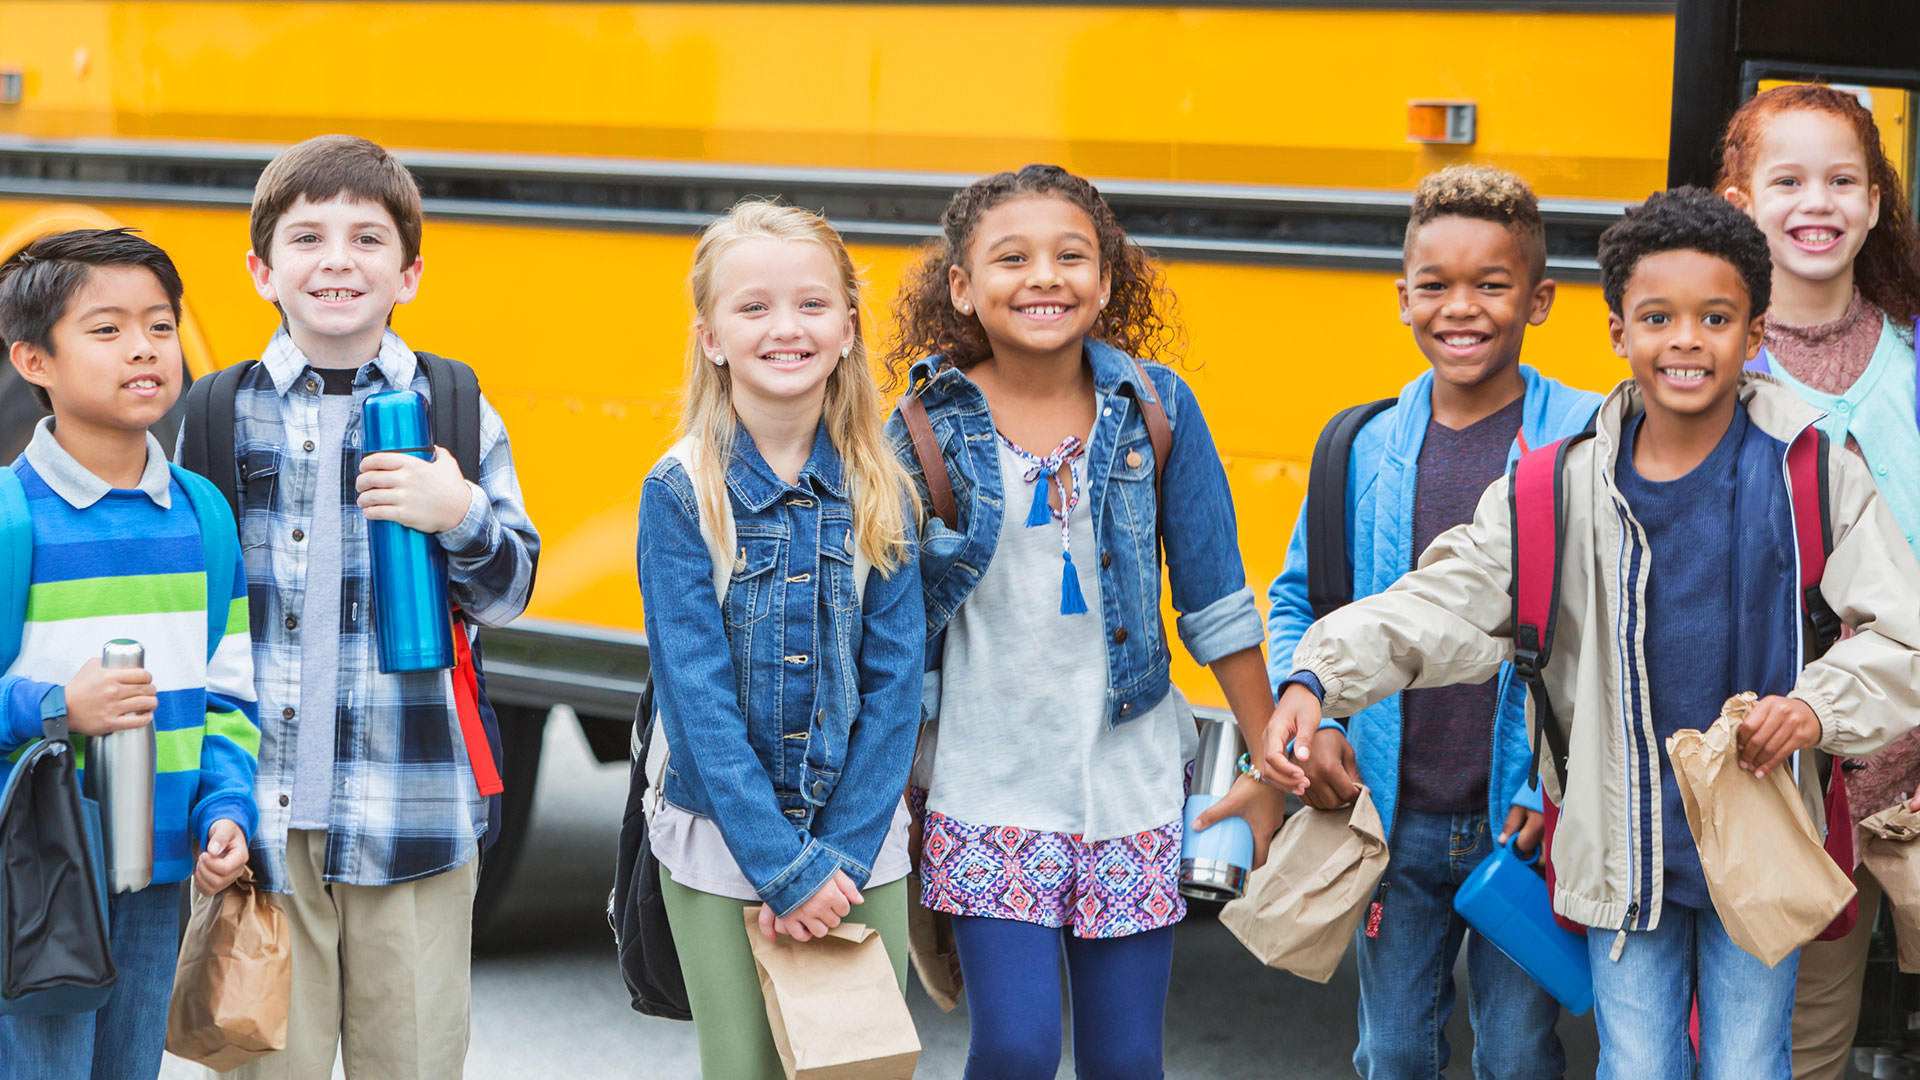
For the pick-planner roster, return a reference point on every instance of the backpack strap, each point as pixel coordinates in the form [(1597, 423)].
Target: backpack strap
[(16, 558), (221, 542), (1812, 536), (208, 448), (1538, 499), (1159, 431), (932, 466), (1329, 560), (453, 392)]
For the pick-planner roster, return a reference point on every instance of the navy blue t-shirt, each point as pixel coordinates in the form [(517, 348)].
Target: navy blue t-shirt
[(1689, 620)]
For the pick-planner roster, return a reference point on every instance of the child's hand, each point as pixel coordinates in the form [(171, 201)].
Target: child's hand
[(101, 700), (820, 913), (226, 856), (1333, 780), (1297, 711), (1528, 826), (1775, 728), (430, 496), (1262, 807)]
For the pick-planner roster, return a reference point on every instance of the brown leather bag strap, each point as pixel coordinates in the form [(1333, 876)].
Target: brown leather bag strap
[(932, 465), (1158, 430)]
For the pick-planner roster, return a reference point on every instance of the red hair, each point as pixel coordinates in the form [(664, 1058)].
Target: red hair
[(1887, 270)]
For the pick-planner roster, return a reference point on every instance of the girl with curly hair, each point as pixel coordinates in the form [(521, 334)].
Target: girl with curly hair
[(1807, 164), (1032, 335)]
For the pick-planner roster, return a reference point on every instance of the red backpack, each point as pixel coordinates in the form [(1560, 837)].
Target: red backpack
[(1538, 500)]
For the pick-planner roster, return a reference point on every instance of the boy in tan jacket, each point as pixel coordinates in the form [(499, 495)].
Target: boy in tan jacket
[(1678, 588)]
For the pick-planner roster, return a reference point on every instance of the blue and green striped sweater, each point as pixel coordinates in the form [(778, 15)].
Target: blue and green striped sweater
[(126, 567)]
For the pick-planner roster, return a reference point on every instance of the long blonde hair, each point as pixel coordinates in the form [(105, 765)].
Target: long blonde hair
[(877, 484)]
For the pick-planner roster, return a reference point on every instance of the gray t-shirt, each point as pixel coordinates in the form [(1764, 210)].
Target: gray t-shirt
[(1023, 734), (320, 612)]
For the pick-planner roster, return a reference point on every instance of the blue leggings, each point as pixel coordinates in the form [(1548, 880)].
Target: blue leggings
[(1012, 974)]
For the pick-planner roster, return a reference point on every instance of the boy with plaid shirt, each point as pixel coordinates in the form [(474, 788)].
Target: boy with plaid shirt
[(371, 816)]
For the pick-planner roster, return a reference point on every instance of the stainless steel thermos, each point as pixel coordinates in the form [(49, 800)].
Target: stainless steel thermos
[(412, 624), (1214, 862), (120, 775)]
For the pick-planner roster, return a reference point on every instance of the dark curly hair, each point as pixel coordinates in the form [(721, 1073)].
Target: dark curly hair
[(1887, 269), (1686, 219), (1139, 319)]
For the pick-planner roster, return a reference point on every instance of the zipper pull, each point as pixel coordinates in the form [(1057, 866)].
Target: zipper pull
[(1377, 909), (1620, 939)]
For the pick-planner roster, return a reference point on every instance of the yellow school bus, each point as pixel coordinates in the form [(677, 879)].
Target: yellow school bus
[(568, 152)]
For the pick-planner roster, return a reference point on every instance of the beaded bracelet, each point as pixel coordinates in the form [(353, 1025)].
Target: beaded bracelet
[(1246, 767)]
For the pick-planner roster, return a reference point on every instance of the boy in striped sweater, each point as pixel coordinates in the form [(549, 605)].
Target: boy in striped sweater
[(91, 322)]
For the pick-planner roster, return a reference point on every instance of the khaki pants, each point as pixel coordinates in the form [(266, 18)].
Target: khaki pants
[(1826, 1006), (382, 972)]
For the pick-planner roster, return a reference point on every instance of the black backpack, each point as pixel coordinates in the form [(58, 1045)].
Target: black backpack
[(1329, 562), (636, 908), (453, 392)]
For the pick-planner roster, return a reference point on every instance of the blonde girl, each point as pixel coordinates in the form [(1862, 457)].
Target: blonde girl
[(783, 617)]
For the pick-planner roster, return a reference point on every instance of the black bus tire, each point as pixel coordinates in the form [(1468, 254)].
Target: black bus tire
[(521, 733)]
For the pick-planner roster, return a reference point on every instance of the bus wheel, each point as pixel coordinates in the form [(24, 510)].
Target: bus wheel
[(521, 732)]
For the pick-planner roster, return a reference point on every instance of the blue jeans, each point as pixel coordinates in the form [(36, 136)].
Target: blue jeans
[(1406, 974), (123, 1039), (1644, 1001), (1012, 975)]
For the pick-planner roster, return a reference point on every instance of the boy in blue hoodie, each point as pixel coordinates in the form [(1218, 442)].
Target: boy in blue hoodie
[(91, 319), (1475, 260)]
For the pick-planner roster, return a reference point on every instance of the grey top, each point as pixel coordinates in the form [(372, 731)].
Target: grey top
[(320, 622), (1023, 735)]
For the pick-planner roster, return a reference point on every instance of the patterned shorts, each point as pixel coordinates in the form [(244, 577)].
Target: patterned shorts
[(1105, 889)]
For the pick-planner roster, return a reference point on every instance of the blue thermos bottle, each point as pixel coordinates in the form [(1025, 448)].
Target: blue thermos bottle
[(412, 623), (1505, 901), (1214, 862)]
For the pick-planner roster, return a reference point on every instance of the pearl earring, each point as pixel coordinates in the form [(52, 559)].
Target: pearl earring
[(718, 360), (846, 352), (966, 308)]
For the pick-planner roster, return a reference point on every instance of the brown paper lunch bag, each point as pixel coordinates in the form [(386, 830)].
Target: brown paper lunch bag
[(834, 1005), (232, 983), (1773, 886), (1302, 907), (1888, 852)]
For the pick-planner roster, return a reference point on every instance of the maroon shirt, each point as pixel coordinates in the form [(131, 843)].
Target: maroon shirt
[(1446, 733)]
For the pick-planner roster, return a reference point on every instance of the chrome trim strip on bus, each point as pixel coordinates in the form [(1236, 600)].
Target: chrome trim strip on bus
[(1286, 226)]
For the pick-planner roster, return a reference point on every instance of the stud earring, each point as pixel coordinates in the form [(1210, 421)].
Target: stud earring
[(1103, 301), (718, 360), (966, 308), (846, 352)]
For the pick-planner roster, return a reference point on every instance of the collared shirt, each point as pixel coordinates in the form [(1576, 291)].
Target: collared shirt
[(404, 803), (76, 483)]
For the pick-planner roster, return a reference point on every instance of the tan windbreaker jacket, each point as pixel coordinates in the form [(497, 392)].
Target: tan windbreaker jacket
[(1451, 621)]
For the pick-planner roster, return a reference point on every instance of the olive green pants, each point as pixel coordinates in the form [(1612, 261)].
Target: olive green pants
[(723, 988)]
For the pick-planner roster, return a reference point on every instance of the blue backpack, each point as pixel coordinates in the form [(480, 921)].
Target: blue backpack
[(55, 954)]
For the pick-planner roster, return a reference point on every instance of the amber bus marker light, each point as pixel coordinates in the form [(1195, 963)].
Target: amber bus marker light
[(1441, 122)]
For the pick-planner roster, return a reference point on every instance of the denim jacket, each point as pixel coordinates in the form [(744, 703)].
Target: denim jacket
[(1217, 612), (824, 685), (1382, 471)]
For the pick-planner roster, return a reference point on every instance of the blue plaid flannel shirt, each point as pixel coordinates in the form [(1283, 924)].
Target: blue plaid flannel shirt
[(405, 804)]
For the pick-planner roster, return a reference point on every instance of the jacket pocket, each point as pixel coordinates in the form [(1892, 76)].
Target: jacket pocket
[(750, 592), (836, 562)]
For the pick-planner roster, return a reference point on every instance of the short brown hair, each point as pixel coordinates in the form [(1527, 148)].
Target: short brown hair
[(1484, 193), (329, 165)]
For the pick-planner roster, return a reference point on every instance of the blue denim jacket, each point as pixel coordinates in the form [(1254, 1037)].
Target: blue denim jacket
[(1217, 612), (824, 686)]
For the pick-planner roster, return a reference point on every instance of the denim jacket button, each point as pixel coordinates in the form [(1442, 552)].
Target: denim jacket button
[(1120, 636), (1134, 459), (1106, 559), (819, 789)]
